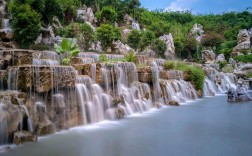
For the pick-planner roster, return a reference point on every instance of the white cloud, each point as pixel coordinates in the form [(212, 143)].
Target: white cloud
[(180, 5)]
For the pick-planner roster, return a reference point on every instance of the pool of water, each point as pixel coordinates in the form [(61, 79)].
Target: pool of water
[(208, 127)]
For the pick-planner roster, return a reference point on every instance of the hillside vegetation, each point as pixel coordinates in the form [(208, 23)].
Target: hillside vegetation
[(220, 29)]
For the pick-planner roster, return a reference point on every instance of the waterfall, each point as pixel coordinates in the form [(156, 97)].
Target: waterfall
[(6, 25), (156, 85), (3, 126)]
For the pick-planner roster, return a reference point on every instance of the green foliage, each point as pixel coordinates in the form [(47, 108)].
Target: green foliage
[(134, 39), (244, 58), (147, 38), (107, 34), (26, 24), (130, 57), (226, 48), (103, 58), (169, 65), (222, 64), (48, 9), (211, 40), (67, 49), (159, 47), (249, 75), (107, 15), (194, 74)]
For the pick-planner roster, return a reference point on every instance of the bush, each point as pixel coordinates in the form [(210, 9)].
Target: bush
[(134, 39), (244, 58), (130, 57), (107, 15), (193, 74), (67, 49), (159, 47), (103, 58), (212, 40), (26, 24), (169, 65), (147, 38), (106, 34)]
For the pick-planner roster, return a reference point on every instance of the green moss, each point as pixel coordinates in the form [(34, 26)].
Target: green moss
[(169, 65)]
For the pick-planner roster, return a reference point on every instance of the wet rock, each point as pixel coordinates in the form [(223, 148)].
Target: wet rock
[(208, 56), (120, 112), (24, 136), (170, 51), (4, 149), (157, 105), (173, 103), (45, 128), (45, 78)]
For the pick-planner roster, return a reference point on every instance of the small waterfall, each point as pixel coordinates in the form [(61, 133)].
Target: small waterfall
[(3, 126), (156, 86), (6, 25), (92, 100), (46, 62), (12, 81)]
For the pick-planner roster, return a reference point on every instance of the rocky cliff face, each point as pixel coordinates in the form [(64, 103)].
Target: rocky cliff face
[(170, 51), (243, 44), (197, 31)]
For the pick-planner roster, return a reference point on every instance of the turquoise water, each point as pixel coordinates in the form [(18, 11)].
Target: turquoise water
[(208, 127)]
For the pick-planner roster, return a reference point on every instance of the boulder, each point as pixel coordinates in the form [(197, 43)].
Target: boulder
[(121, 48), (220, 58), (21, 137), (243, 43), (208, 56), (197, 31), (3, 9), (45, 128), (170, 51), (47, 36), (173, 103), (56, 23), (86, 14), (149, 52)]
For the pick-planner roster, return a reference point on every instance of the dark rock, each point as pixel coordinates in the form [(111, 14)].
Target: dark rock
[(24, 136)]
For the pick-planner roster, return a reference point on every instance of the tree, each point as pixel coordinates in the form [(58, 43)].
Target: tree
[(147, 38), (26, 24), (107, 15), (134, 39), (48, 9), (159, 47), (106, 34), (68, 49)]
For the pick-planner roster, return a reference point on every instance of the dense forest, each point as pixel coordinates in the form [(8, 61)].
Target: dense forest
[(220, 30)]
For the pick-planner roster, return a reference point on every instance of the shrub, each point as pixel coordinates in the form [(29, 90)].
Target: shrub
[(147, 38), (130, 57), (103, 58), (107, 15), (134, 39), (67, 49), (26, 24), (169, 65), (193, 74), (244, 58), (106, 34), (159, 47)]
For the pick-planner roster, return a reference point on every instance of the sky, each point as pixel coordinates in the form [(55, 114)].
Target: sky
[(198, 6)]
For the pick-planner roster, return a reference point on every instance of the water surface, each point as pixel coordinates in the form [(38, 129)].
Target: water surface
[(209, 127)]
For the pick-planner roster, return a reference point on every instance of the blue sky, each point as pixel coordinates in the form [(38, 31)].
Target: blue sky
[(198, 6)]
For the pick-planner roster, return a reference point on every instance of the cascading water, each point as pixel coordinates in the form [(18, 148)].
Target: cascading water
[(156, 86), (3, 126)]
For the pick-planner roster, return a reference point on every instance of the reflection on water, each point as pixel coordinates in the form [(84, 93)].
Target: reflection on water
[(207, 127)]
